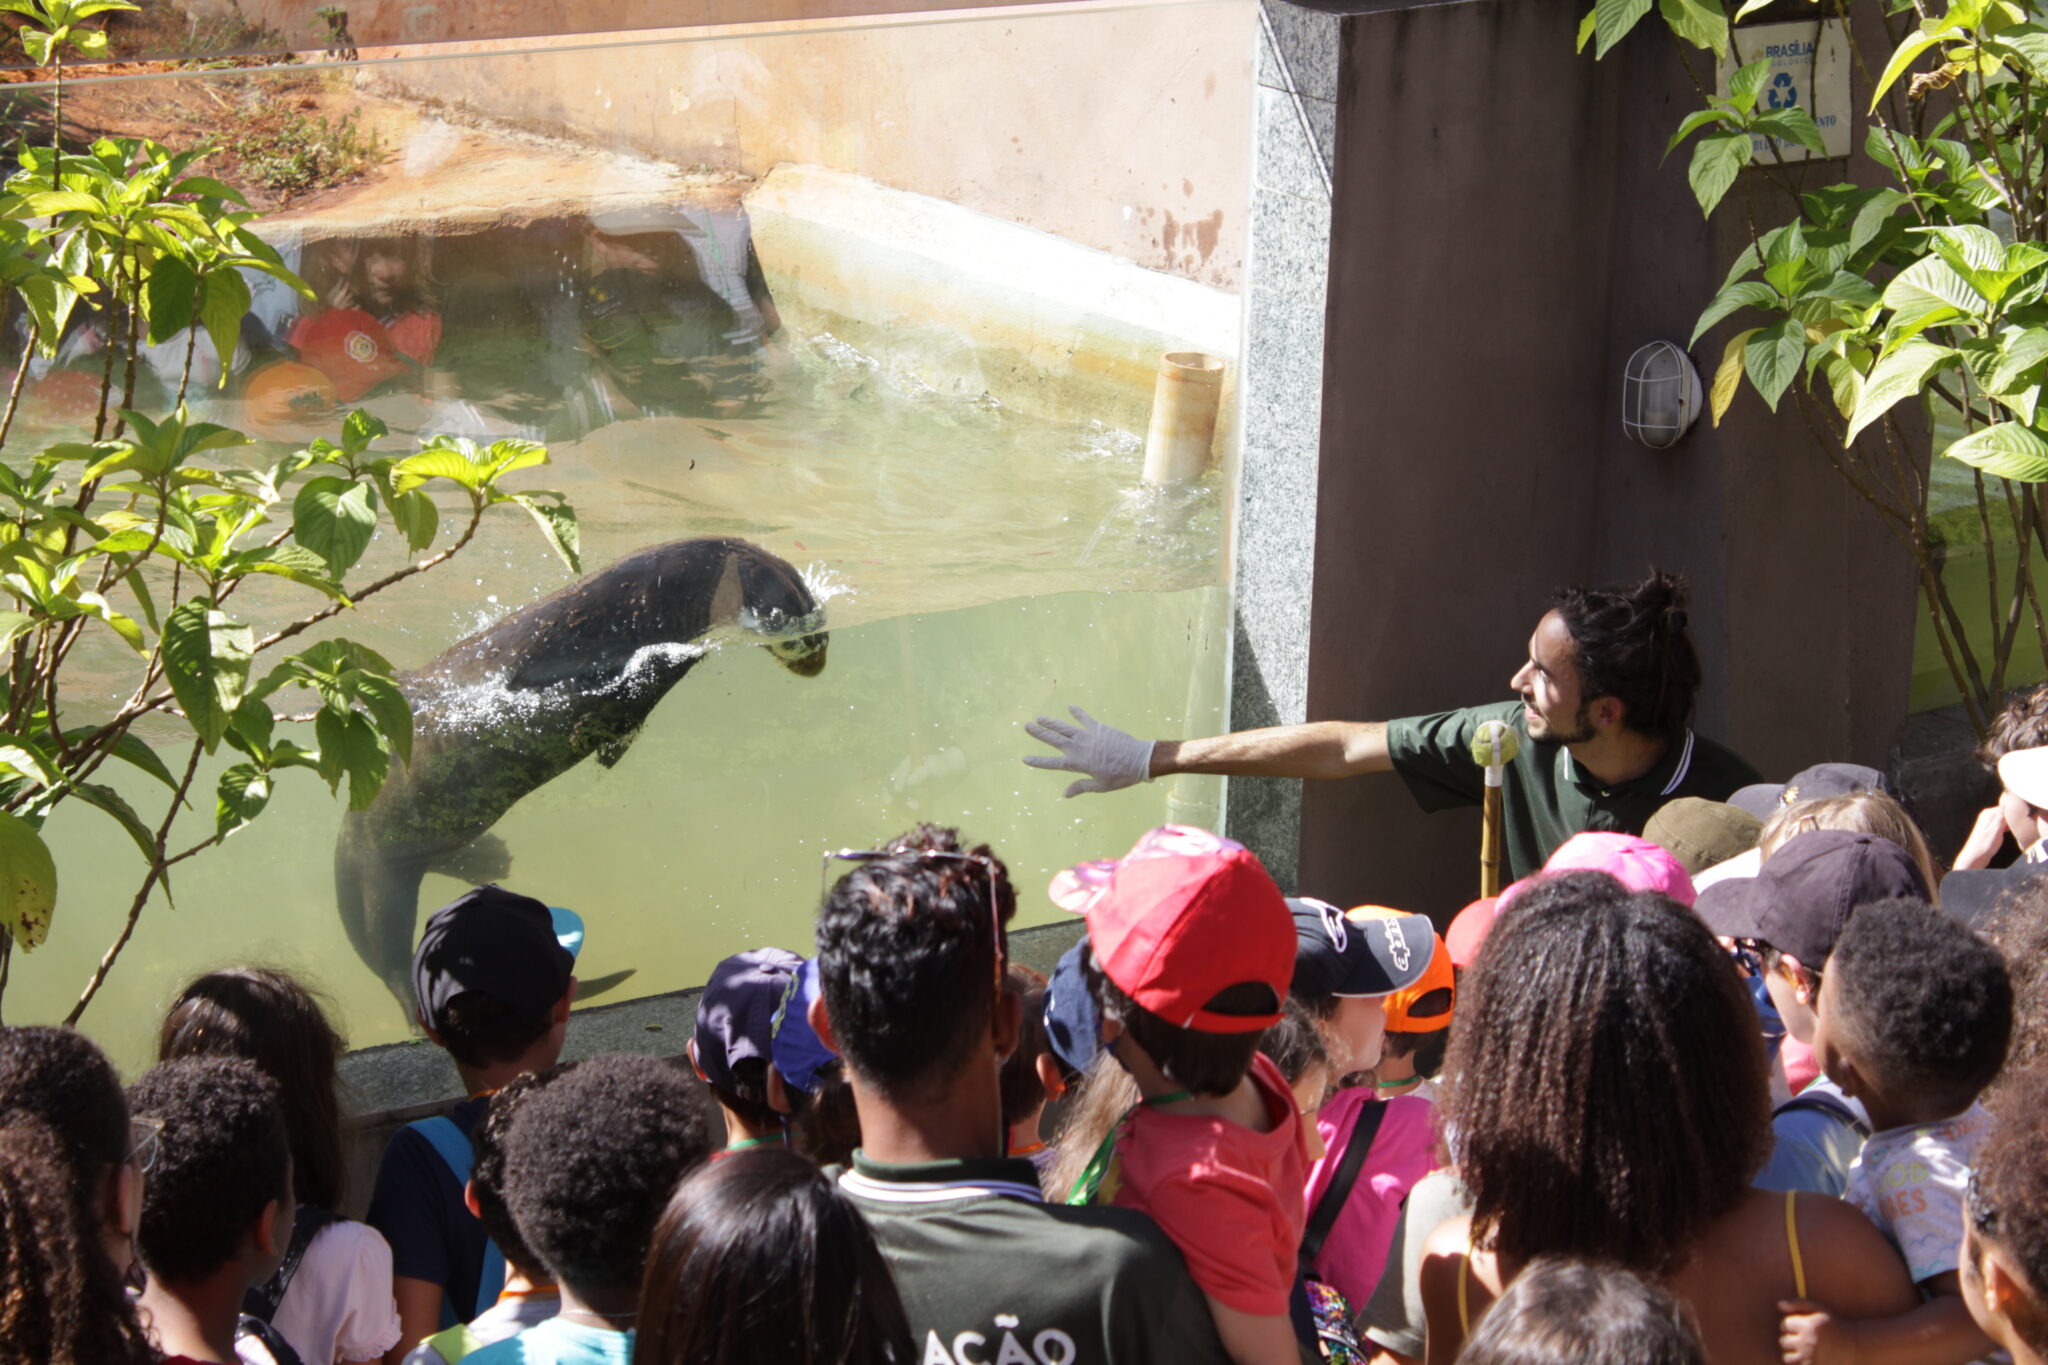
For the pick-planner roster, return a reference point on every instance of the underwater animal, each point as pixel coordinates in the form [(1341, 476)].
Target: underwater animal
[(523, 701)]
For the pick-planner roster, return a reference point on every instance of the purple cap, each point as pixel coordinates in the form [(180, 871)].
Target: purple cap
[(799, 1053), (736, 1014)]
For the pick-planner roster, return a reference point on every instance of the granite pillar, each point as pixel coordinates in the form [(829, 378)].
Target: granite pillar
[(1286, 277)]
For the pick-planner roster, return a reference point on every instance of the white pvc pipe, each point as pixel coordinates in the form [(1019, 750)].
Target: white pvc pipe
[(1184, 403)]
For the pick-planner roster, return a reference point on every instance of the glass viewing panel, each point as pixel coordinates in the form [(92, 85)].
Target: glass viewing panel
[(881, 302)]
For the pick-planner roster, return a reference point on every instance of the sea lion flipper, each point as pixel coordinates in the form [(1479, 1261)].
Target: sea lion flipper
[(485, 858), (600, 984)]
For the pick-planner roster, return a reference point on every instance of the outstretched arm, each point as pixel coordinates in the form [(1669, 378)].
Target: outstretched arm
[(1324, 748), (1110, 759)]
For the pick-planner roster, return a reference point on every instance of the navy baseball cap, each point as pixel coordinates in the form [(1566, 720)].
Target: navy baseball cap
[(497, 943), (736, 1014), (1073, 1026), (1356, 954), (797, 1050), (1805, 892)]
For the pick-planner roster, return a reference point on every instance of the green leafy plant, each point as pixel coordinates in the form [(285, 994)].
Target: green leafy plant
[(1884, 309), (300, 151), (138, 537)]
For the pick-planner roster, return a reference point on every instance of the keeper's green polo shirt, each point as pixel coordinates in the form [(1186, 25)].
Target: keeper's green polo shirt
[(1545, 797)]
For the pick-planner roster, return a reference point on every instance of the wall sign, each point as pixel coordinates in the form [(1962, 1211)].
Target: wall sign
[(1809, 68)]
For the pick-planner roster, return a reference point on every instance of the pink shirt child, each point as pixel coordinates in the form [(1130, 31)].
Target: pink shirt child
[(1229, 1198), (1403, 1151)]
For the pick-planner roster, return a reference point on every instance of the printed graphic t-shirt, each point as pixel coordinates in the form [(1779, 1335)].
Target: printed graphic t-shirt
[(1230, 1198), (1910, 1181), (418, 1206), (989, 1272), (1403, 1151)]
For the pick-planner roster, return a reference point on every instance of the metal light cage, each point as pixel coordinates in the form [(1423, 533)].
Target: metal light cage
[(1661, 396)]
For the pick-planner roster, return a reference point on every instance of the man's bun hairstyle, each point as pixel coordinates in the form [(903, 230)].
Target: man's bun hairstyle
[(1635, 644)]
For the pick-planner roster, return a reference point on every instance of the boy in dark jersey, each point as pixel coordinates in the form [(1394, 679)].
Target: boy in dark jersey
[(911, 953)]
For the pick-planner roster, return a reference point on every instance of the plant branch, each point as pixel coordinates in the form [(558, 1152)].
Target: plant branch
[(333, 609)]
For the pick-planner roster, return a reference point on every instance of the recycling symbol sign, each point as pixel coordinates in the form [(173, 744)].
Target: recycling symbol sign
[(1781, 93)]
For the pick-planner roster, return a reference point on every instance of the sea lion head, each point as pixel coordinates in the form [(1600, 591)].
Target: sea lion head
[(767, 596)]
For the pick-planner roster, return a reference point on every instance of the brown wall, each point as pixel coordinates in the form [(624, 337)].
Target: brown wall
[(1502, 239)]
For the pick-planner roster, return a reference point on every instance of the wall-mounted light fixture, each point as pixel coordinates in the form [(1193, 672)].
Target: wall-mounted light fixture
[(1660, 396)]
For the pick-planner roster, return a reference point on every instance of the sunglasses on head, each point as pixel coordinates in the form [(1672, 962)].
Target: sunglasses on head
[(988, 865)]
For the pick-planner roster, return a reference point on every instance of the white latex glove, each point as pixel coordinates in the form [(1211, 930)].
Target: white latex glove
[(1111, 759)]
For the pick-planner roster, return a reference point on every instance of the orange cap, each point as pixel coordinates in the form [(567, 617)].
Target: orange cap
[(1438, 976)]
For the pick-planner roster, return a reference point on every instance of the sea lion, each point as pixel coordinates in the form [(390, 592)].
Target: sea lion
[(520, 703)]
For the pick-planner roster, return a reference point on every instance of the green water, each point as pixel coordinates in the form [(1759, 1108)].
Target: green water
[(979, 568)]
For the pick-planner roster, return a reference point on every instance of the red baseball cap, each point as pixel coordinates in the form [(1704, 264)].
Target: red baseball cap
[(352, 349), (1184, 916)]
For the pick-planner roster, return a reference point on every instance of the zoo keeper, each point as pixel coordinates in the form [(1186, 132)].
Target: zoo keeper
[(1604, 718)]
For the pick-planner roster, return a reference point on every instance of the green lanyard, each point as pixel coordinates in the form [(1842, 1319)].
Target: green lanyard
[(1090, 1184), (777, 1139)]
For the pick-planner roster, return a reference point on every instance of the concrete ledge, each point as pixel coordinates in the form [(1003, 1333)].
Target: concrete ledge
[(970, 304)]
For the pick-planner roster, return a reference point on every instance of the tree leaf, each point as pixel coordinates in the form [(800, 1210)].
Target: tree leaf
[(1909, 51), (223, 300), (1728, 377), (169, 297), (1845, 287), (28, 882), (1586, 30), (206, 658), (1743, 294), (557, 521), (1703, 23), (417, 518), (1928, 291), (1872, 218), (440, 462), (389, 708), (1747, 81), (2025, 45), (1716, 158), (1791, 124), (243, 792), (129, 749), (2018, 352), (2007, 449), (1898, 375), (348, 747), (1773, 357), (359, 429), (1612, 19), (335, 519), (113, 803), (1845, 384), (1696, 120)]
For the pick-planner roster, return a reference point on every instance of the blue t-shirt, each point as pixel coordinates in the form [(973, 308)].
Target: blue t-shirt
[(418, 1206), (1816, 1142), (556, 1342)]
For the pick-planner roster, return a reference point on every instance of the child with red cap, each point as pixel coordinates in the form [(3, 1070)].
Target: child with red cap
[(1192, 950)]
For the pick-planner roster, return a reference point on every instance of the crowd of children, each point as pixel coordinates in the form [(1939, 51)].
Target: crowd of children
[(1743, 1092)]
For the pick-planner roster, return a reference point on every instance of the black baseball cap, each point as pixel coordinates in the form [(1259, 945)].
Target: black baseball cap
[(499, 944), (736, 1014), (1806, 890), (1765, 799), (1973, 892), (1376, 954)]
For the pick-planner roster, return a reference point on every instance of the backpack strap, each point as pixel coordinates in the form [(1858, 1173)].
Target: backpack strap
[(1339, 1189), (274, 1345), (453, 1146), (1824, 1102), (261, 1301)]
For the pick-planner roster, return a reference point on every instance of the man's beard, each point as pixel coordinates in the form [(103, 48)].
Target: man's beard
[(1582, 728)]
